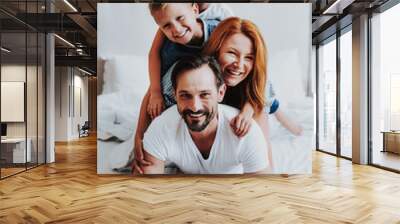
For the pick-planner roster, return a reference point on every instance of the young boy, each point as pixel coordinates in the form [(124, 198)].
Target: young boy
[(211, 13)]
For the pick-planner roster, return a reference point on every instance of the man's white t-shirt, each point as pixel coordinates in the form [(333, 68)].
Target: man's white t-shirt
[(168, 139)]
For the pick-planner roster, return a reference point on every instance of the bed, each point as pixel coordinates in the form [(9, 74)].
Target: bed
[(123, 82)]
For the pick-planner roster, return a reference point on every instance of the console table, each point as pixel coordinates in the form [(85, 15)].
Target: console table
[(13, 150), (391, 141)]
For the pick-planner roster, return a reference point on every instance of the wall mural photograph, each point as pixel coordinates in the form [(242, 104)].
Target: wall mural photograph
[(204, 88)]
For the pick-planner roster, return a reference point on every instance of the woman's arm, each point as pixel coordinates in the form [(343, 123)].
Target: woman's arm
[(262, 120)]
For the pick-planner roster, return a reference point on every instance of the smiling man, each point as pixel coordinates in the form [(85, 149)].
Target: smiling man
[(195, 134)]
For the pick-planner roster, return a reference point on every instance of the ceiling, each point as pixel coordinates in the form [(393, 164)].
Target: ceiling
[(76, 22)]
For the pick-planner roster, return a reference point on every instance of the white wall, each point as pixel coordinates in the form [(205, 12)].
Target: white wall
[(14, 73), (33, 126), (82, 82), (68, 82), (287, 33), (61, 103), (79, 115), (121, 32), (17, 73)]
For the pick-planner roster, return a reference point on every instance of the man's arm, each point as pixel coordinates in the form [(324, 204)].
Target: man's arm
[(156, 167)]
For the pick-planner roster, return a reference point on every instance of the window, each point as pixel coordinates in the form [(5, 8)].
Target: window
[(327, 96), (385, 88), (346, 94), (22, 65)]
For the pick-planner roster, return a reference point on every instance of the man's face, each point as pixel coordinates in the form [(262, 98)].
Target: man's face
[(178, 21), (197, 97)]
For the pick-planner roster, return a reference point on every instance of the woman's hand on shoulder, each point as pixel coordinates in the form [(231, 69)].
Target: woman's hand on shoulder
[(241, 124)]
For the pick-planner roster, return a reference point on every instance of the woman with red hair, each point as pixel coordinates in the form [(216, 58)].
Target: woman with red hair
[(238, 46)]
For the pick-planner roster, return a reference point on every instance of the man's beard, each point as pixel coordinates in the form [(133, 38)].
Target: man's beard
[(195, 125)]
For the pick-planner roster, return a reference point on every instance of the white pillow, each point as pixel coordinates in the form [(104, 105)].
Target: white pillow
[(287, 75), (126, 73)]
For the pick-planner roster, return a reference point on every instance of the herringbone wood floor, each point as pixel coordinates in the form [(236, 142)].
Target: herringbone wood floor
[(70, 191)]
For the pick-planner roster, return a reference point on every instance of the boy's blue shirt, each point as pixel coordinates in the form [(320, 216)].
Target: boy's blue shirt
[(171, 52)]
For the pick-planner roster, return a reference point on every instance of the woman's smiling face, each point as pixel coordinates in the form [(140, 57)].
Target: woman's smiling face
[(236, 58)]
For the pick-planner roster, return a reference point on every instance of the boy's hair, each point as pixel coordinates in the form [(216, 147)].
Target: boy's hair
[(156, 6), (195, 62)]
